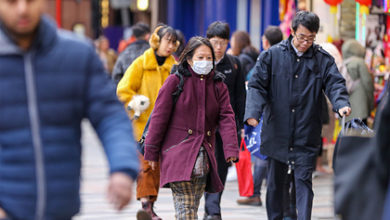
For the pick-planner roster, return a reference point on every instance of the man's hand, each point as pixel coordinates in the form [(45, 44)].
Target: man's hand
[(242, 133), (345, 111), (252, 122), (119, 190), (3, 215), (153, 164)]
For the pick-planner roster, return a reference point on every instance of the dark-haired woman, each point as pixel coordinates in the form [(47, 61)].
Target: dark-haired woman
[(182, 135), (142, 81)]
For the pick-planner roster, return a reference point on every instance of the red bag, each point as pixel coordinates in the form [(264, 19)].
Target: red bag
[(244, 171)]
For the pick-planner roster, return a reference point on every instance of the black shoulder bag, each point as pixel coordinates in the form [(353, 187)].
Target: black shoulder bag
[(175, 97)]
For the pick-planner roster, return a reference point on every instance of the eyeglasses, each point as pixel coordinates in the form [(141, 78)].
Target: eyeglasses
[(221, 43), (302, 38)]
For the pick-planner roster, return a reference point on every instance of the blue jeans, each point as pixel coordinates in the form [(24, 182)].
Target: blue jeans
[(259, 174)]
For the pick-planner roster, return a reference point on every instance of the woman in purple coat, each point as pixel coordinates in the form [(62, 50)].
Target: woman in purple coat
[(182, 135)]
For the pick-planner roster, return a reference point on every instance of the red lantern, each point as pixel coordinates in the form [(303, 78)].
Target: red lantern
[(364, 2), (333, 2)]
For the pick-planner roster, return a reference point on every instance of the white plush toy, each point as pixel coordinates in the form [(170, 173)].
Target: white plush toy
[(138, 104)]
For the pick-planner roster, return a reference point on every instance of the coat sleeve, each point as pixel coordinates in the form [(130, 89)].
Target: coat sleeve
[(109, 119), (382, 129), (367, 83), (227, 123), (131, 81), (258, 87), (240, 95), (160, 119), (334, 86), (118, 72)]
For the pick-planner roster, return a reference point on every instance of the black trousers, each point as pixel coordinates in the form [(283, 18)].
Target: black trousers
[(277, 175), (213, 200)]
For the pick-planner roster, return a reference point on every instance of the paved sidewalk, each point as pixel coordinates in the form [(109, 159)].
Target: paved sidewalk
[(95, 205)]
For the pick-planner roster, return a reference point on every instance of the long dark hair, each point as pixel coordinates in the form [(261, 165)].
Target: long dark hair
[(190, 48)]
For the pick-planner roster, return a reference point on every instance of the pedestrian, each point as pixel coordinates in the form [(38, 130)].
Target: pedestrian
[(107, 55), (144, 77), (141, 33), (241, 47), (286, 88), (49, 81), (362, 95), (181, 38), (218, 34), (185, 145), (272, 36)]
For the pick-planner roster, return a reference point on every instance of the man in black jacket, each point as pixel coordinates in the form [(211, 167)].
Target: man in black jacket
[(141, 32), (218, 34), (286, 88)]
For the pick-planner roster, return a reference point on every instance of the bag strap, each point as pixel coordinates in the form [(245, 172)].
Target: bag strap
[(176, 94), (243, 144), (175, 97)]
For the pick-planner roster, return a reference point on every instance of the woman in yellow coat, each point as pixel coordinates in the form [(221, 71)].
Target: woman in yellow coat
[(140, 85)]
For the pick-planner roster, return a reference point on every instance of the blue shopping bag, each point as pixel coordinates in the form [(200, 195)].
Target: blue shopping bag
[(253, 140)]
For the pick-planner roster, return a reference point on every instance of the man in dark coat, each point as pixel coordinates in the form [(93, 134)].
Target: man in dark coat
[(141, 32), (218, 34), (49, 82), (286, 88)]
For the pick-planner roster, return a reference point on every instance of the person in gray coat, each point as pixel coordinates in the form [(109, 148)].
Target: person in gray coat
[(287, 87), (361, 96), (141, 32)]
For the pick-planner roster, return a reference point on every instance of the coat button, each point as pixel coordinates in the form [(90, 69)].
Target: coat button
[(291, 149), (296, 76), (293, 110), (298, 60), (209, 133), (189, 131)]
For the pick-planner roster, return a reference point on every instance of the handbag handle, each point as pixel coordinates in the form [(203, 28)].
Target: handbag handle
[(243, 144), (343, 125)]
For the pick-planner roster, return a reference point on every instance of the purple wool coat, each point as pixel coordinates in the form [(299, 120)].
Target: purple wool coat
[(176, 133)]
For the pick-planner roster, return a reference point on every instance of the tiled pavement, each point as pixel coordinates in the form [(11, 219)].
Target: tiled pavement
[(95, 205)]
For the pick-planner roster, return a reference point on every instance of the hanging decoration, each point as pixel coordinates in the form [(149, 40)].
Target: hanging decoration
[(333, 5), (285, 25), (362, 11), (333, 11), (364, 4), (58, 13), (282, 9), (386, 6), (105, 11)]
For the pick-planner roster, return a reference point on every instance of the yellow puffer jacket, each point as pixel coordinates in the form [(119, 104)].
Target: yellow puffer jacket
[(143, 77)]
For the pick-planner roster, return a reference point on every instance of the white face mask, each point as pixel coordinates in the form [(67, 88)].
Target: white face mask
[(202, 67)]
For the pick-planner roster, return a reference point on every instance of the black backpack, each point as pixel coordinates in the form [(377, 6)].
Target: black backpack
[(175, 97)]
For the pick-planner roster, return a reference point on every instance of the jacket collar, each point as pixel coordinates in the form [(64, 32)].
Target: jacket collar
[(286, 45), (46, 35), (150, 61)]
